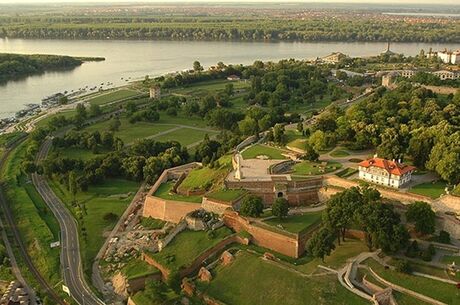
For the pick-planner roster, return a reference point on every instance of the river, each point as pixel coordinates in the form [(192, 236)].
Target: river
[(135, 59)]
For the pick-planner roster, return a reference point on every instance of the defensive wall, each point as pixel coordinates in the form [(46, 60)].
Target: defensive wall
[(286, 243), (169, 210), (297, 192), (198, 261)]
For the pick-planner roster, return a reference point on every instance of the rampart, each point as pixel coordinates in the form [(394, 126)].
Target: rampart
[(197, 262), (169, 210), (297, 192), (286, 243)]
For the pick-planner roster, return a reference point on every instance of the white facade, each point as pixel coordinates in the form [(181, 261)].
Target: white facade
[(383, 177), (449, 57)]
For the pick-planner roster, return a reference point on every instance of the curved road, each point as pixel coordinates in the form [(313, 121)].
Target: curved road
[(71, 264)]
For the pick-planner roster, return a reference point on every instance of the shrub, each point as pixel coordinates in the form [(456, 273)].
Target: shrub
[(252, 206), (280, 208), (403, 266), (444, 237), (413, 250)]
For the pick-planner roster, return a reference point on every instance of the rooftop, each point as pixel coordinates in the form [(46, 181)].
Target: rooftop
[(393, 167)]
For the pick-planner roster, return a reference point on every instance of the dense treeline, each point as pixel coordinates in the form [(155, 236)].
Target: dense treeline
[(14, 66), (248, 29), (407, 122)]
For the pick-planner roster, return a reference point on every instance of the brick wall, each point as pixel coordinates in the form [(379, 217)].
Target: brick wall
[(451, 202), (287, 244), (215, 206), (167, 210)]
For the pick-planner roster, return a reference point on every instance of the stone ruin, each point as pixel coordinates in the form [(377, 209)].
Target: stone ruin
[(204, 275), (226, 258)]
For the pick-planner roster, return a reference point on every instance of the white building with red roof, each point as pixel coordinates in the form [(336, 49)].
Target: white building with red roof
[(385, 172)]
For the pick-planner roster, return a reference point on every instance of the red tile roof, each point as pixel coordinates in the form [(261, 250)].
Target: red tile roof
[(393, 167)]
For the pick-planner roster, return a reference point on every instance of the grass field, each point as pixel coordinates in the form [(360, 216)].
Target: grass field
[(188, 245), (112, 196), (347, 172), (113, 96), (440, 291), (185, 136), (338, 153), (78, 153), (295, 139), (130, 132), (448, 259), (296, 223), (138, 268), (226, 195), (315, 168), (432, 190), (164, 192), (250, 280), (263, 150), (206, 178), (338, 258), (203, 88)]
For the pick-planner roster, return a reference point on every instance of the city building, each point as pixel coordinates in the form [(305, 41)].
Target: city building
[(449, 57), (333, 58), (445, 74), (385, 172), (233, 78), (155, 92)]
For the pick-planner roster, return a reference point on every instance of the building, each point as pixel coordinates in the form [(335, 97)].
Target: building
[(155, 92), (233, 78), (385, 172), (333, 58), (445, 74), (449, 57)]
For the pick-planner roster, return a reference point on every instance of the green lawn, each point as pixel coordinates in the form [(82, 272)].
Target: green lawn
[(440, 291), (338, 153), (432, 190), (347, 172), (263, 150), (138, 268), (338, 258), (315, 168), (203, 88), (130, 132), (188, 245), (296, 223), (112, 196), (448, 259), (250, 280), (113, 96), (227, 194), (185, 136), (150, 223), (164, 192), (206, 178)]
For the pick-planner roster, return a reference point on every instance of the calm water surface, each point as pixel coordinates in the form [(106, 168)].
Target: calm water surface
[(135, 59)]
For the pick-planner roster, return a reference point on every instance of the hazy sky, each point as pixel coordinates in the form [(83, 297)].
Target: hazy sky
[(217, 1)]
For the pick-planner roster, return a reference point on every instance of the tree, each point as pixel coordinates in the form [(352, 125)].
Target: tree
[(300, 127), (95, 110), (423, 216), (318, 140), (197, 67), (73, 185), (115, 124), (321, 243), (403, 266), (280, 208), (110, 217), (444, 237), (279, 136), (252, 206), (229, 89), (310, 153)]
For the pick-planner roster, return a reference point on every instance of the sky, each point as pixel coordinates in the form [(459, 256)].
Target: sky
[(217, 1)]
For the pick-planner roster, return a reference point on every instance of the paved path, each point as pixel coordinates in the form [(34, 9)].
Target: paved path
[(71, 264)]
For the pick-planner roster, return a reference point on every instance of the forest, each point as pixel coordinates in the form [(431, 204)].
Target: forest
[(14, 66), (250, 28)]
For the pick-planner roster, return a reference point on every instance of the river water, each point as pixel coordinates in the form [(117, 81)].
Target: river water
[(135, 59)]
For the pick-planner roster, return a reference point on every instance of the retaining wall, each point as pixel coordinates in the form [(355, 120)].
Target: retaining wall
[(285, 243), (168, 210)]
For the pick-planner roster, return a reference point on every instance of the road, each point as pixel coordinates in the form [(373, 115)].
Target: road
[(71, 264), (11, 225)]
